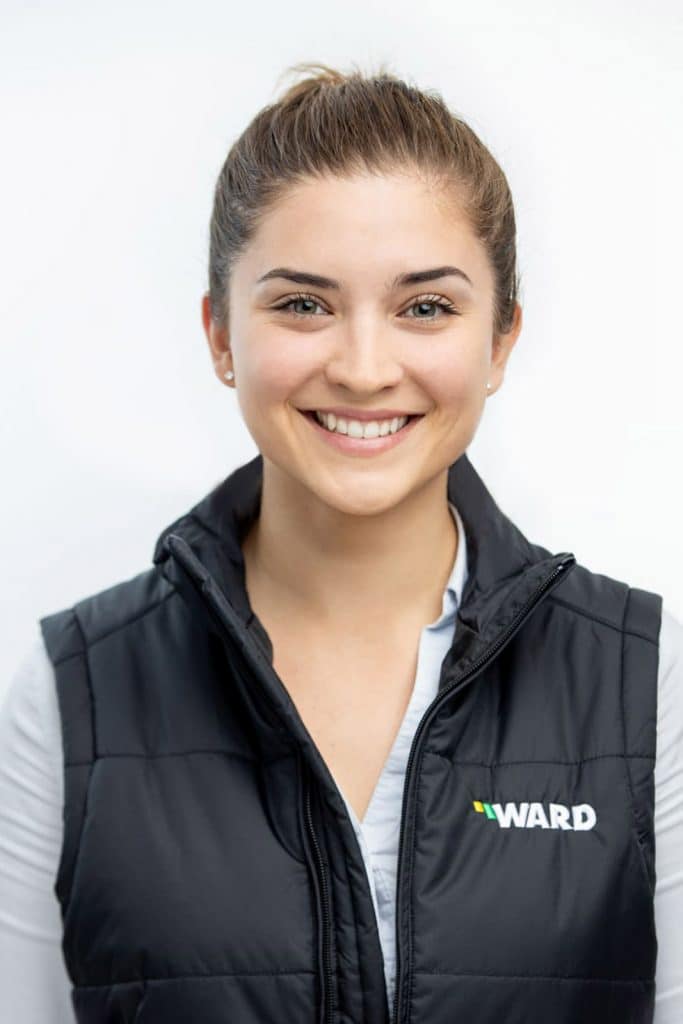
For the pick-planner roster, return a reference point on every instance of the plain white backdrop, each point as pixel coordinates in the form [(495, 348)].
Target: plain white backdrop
[(116, 121)]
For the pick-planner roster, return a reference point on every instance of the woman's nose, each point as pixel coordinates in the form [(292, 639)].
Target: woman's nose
[(364, 360)]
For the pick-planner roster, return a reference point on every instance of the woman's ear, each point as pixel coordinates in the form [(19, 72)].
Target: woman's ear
[(503, 345), (217, 337)]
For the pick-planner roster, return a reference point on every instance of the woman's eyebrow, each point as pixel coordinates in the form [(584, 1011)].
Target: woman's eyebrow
[(401, 280)]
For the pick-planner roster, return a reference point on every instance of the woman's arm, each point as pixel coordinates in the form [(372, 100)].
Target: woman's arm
[(34, 985), (669, 824)]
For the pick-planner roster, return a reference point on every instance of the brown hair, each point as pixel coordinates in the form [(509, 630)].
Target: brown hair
[(344, 123)]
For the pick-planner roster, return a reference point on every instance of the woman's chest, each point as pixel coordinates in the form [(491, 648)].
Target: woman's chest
[(352, 701)]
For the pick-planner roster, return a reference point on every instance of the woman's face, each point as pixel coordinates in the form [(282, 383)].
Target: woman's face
[(361, 340)]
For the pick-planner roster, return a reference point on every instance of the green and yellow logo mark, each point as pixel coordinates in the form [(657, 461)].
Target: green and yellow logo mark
[(484, 809)]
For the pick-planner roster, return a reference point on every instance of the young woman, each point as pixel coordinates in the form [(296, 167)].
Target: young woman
[(353, 749)]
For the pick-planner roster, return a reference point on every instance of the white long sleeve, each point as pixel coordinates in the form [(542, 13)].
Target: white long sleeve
[(669, 824), (34, 985)]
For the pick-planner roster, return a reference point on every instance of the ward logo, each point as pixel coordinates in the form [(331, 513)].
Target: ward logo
[(578, 817)]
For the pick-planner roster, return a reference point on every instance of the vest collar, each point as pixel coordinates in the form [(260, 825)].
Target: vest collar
[(200, 555), (500, 558)]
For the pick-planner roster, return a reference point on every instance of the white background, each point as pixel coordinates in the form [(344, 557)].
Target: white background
[(116, 120)]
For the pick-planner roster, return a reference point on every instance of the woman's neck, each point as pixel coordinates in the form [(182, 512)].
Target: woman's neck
[(312, 560)]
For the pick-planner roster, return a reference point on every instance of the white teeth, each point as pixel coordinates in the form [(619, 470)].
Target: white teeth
[(356, 428)]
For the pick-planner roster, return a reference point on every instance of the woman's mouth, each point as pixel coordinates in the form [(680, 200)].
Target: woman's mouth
[(356, 437)]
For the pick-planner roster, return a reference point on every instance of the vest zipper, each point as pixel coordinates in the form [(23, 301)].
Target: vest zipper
[(327, 966), (402, 974)]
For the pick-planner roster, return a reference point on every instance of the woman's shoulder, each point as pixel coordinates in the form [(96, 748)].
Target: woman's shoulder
[(30, 730), (31, 772), (670, 643), (670, 696), (70, 628)]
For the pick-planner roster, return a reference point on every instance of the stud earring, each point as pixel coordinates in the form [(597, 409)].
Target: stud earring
[(229, 375), (488, 386)]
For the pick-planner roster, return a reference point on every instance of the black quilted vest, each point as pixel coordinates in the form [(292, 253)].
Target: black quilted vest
[(210, 873)]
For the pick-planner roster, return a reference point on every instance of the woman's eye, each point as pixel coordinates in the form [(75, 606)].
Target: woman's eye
[(294, 300), (435, 301)]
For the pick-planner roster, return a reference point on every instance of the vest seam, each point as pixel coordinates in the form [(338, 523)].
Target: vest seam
[(427, 750), (541, 760), (598, 618), (196, 977), (88, 787), (539, 977), (627, 768), (122, 625), (181, 753), (91, 691), (303, 971)]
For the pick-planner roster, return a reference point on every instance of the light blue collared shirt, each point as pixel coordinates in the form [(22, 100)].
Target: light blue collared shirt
[(378, 833)]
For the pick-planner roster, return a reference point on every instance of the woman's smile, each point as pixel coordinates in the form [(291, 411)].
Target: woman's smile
[(348, 435)]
